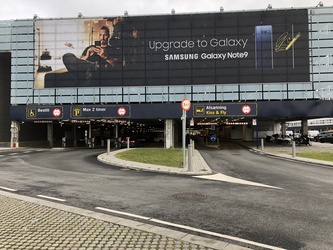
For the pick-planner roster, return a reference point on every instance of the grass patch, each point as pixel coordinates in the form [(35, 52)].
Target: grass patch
[(324, 156), (158, 156)]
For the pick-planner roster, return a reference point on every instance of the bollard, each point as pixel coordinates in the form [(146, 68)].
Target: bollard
[(108, 147), (190, 154), (262, 144), (293, 149)]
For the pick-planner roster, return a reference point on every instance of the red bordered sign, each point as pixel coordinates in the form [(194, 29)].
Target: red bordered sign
[(186, 104)]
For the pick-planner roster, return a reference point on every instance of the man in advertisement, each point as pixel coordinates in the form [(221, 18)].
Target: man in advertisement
[(95, 59)]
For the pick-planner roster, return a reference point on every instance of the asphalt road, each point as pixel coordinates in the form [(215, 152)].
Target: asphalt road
[(297, 214)]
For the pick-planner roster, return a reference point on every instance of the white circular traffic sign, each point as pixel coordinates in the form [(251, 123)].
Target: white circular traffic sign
[(121, 111), (246, 109), (186, 104), (56, 112)]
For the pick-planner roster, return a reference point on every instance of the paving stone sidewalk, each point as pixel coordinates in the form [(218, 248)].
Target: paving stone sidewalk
[(29, 223)]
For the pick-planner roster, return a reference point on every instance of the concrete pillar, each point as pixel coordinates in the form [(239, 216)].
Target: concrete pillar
[(169, 141), (304, 127), (283, 128), (50, 134), (117, 131), (74, 135), (14, 138)]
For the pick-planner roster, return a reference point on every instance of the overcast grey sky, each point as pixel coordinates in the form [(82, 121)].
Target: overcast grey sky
[(22, 9)]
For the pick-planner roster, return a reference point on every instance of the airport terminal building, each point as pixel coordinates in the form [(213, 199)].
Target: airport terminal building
[(67, 81)]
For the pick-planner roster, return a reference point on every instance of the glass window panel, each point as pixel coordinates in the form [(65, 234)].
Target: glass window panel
[(111, 99), (178, 97), (87, 91), (323, 69), (155, 98), (66, 91), (22, 46), (250, 87), (113, 90), (305, 86), (156, 89), (5, 46), (43, 100), (134, 90), (323, 77), (274, 87), (204, 97), (20, 100), (251, 96), (66, 99), (300, 95), (227, 96), (205, 88), (23, 84), (180, 89), (24, 92), (323, 51), (275, 95), (227, 88), (134, 98), (88, 99), (22, 77)]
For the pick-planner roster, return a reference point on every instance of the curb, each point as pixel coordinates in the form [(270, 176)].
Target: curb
[(111, 159)]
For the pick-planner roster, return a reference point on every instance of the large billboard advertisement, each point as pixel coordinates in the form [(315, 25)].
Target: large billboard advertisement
[(216, 48)]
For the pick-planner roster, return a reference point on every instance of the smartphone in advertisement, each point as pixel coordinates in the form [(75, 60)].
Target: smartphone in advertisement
[(97, 43), (264, 47)]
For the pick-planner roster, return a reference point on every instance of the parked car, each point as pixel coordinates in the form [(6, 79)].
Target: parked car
[(132, 143), (327, 138), (312, 134), (320, 135)]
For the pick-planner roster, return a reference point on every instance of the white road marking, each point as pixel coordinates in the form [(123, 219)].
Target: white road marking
[(225, 178), (50, 198), (122, 213), (192, 229), (8, 189)]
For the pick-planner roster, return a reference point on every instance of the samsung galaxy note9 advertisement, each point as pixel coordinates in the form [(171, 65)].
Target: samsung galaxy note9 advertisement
[(215, 48)]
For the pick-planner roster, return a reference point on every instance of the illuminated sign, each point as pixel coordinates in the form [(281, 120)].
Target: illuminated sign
[(100, 111), (44, 112), (224, 109), (211, 48)]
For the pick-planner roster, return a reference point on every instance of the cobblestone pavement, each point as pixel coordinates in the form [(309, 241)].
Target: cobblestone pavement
[(36, 224)]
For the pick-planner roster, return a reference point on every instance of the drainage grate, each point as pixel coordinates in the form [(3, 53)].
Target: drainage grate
[(189, 196)]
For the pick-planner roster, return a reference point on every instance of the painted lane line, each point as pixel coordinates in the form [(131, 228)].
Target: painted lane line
[(217, 234), (50, 198), (225, 178), (193, 229), (8, 189), (122, 213)]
